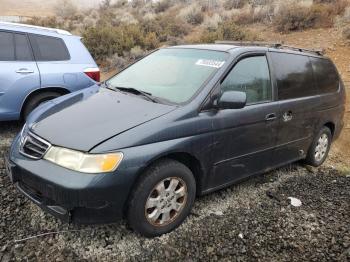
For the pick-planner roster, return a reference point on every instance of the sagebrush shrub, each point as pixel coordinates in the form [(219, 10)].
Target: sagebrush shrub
[(294, 18), (162, 6), (254, 15), (212, 22), (230, 4), (297, 17), (227, 30), (192, 14)]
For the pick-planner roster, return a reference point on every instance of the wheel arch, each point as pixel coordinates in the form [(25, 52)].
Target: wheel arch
[(60, 90), (331, 126), (185, 158)]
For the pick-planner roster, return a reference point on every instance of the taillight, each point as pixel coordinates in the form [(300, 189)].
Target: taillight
[(93, 73)]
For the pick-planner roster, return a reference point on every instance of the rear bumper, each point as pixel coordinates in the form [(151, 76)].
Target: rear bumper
[(70, 196), (338, 129)]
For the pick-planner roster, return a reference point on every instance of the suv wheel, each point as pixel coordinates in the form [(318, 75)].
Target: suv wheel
[(36, 100), (319, 148), (162, 198)]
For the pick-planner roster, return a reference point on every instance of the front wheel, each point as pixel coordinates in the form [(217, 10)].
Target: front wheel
[(162, 198), (319, 148)]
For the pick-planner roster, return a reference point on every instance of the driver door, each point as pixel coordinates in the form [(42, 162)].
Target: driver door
[(244, 138)]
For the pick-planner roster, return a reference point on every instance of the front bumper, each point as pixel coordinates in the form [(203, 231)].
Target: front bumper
[(68, 195)]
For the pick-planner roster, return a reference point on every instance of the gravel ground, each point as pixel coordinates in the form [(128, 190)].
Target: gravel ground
[(252, 221)]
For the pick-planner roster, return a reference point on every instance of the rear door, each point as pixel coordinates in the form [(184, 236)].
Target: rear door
[(244, 138), (298, 104), (19, 73)]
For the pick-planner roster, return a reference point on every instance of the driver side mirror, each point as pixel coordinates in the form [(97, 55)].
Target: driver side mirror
[(232, 100)]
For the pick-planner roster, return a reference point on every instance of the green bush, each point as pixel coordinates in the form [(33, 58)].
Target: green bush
[(226, 31), (105, 41), (102, 42), (164, 27)]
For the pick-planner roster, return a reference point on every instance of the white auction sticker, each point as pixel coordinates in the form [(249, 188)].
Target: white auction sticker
[(211, 63)]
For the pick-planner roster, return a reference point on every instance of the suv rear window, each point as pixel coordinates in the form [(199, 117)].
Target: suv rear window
[(294, 75), (49, 48), (7, 49), (326, 75)]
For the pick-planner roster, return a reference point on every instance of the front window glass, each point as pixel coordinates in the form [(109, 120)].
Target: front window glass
[(7, 49), (250, 75), (173, 74)]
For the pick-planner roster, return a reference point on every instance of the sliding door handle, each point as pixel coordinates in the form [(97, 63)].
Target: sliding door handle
[(271, 117)]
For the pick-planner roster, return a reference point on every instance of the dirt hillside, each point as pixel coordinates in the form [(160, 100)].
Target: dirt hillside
[(37, 7)]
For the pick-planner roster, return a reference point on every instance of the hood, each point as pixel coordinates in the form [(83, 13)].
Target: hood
[(83, 120)]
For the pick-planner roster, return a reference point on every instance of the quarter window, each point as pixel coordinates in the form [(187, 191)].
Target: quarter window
[(7, 49), (294, 75), (49, 48), (326, 75), (250, 75)]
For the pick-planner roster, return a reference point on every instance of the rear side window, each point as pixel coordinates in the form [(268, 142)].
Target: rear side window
[(49, 48), (250, 75), (326, 76), (23, 52), (7, 48), (294, 75)]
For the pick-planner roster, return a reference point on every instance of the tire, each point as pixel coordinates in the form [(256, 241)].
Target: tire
[(151, 222), (312, 158), (36, 100)]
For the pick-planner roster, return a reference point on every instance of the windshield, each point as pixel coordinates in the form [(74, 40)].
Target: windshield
[(172, 74)]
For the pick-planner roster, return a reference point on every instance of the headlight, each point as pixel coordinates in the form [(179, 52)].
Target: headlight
[(81, 162)]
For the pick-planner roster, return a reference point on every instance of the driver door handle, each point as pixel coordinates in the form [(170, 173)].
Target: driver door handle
[(270, 117)]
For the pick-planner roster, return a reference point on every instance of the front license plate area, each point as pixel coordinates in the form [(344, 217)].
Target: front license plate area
[(8, 169)]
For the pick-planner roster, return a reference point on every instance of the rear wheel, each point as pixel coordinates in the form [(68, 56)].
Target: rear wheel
[(319, 148), (162, 198), (36, 100)]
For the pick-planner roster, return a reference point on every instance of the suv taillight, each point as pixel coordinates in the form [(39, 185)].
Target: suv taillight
[(93, 73)]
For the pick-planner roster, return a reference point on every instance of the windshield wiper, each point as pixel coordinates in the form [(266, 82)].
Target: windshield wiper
[(138, 92), (135, 91)]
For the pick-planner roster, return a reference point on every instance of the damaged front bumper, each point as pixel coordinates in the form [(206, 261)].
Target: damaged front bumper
[(69, 195)]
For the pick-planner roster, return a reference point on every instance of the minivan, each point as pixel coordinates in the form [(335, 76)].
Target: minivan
[(182, 122), (38, 64)]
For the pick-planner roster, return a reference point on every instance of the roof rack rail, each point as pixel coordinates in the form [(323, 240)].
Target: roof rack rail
[(300, 49), (278, 45), (55, 30), (250, 43)]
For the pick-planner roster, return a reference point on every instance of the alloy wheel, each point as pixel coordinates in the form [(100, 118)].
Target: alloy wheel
[(321, 147), (166, 201)]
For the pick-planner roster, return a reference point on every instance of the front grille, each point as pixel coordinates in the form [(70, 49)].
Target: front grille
[(33, 146)]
